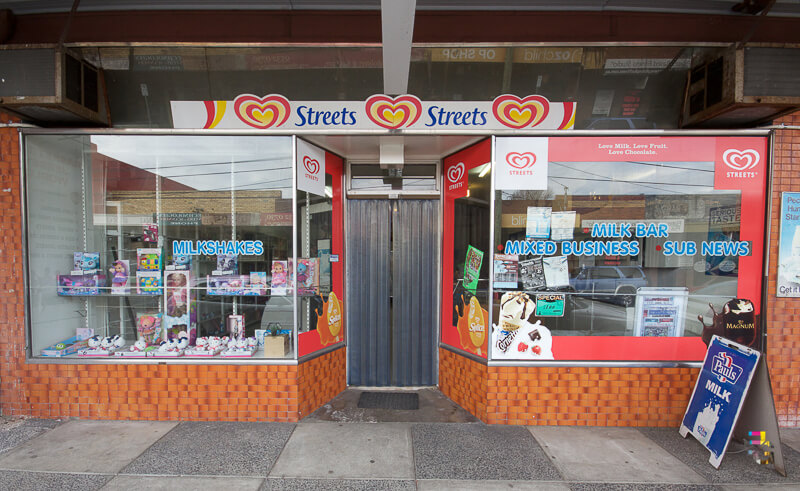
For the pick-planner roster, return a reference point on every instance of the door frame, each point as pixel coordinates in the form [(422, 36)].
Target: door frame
[(432, 195)]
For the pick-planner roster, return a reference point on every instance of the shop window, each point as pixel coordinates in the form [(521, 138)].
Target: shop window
[(619, 243), (151, 239)]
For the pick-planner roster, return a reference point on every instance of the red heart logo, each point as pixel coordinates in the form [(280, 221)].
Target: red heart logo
[(265, 112), (311, 165), (391, 113), (518, 113), (521, 160)]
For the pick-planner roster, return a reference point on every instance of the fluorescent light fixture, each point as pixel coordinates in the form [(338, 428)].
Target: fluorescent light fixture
[(329, 192), (486, 167)]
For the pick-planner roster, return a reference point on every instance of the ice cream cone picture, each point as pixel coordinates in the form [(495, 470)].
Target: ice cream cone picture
[(329, 324), (473, 326)]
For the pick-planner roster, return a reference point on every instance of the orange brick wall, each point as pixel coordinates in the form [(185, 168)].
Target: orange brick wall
[(593, 396), (320, 380), (783, 314), (464, 381)]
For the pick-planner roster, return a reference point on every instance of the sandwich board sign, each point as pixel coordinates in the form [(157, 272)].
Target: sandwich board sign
[(733, 399)]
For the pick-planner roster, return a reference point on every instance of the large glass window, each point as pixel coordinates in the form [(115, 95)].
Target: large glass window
[(164, 245), (617, 241)]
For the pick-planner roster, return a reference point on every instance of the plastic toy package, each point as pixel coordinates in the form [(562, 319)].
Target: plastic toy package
[(227, 284), (148, 283), (77, 285), (148, 259)]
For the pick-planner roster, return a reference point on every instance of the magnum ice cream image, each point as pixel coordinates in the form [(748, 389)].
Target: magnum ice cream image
[(737, 322), (473, 327), (514, 337), (515, 308)]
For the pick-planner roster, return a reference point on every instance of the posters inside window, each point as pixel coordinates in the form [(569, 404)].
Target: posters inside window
[(641, 235)]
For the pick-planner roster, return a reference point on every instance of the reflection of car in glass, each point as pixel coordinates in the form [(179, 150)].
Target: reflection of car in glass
[(619, 281)]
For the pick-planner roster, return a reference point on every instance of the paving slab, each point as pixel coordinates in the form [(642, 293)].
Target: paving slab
[(347, 451), (479, 452), (156, 483), (434, 407), (101, 447), (451, 485), (615, 455), (634, 486), (736, 468), (14, 431), (280, 484), (791, 437), (214, 449), (765, 487), (27, 480)]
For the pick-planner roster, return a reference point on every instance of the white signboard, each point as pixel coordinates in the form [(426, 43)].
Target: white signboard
[(310, 168), (520, 163), (404, 112)]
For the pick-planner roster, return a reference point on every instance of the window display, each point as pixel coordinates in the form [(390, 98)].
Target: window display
[(622, 242), (183, 235)]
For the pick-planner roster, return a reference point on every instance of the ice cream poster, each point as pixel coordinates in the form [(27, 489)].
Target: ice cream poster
[(472, 268), (789, 247), (719, 394)]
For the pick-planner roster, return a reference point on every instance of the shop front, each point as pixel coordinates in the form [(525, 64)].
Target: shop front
[(249, 240), (536, 277)]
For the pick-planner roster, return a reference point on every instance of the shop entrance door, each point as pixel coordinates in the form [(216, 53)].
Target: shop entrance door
[(393, 258)]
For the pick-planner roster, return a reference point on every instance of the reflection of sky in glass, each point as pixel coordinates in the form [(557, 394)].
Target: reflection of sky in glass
[(203, 162), (631, 178)]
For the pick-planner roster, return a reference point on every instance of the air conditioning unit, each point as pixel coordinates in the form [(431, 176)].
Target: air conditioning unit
[(51, 86), (740, 87)]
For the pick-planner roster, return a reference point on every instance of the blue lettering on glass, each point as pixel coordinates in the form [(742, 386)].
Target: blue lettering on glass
[(725, 248), (214, 247), (680, 248)]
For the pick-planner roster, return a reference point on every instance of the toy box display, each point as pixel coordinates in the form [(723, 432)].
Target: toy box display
[(227, 284), (177, 317), (76, 285), (148, 259), (307, 275), (180, 262), (102, 346), (88, 262), (140, 349), (258, 284), (171, 348), (148, 326), (148, 282), (240, 348), (206, 347), (70, 346), (119, 272), (227, 263), (150, 232), (280, 278)]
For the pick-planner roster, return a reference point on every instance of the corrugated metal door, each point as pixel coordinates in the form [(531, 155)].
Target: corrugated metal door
[(393, 257)]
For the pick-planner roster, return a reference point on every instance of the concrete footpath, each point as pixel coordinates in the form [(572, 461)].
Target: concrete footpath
[(87, 455)]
